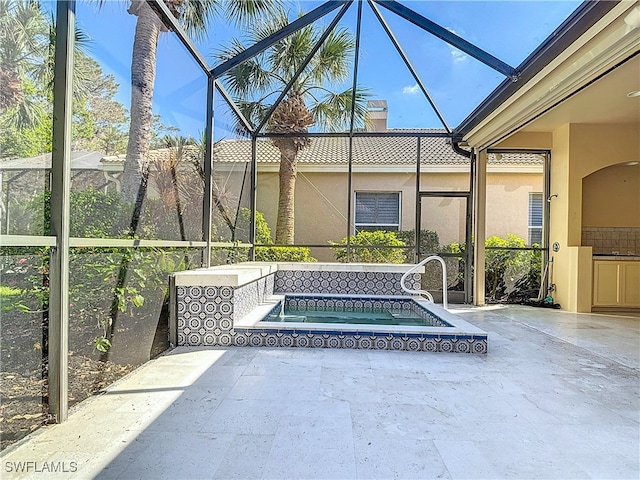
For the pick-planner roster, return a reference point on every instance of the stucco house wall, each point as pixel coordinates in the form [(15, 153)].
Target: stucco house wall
[(322, 197), (580, 150)]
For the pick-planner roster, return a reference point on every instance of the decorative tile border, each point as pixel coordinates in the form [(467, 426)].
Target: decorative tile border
[(343, 282), (361, 340), (204, 315)]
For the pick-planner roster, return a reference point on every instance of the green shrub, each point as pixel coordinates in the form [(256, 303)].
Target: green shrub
[(508, 267), (284, 254), (94, 214), (9, 298), (264, 251), (429, 240), (371, 247), (512, 273), (263, 232)]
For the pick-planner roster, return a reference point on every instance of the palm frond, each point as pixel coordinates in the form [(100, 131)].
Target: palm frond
[(253, 111), (333, 112), (26, 114), (333, 60), (244, 11), (196, 16), (287, 55), (255, 81), (246, 79), (267, 26)]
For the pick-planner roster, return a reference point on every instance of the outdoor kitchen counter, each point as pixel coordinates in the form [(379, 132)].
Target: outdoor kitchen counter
[(616, 281)]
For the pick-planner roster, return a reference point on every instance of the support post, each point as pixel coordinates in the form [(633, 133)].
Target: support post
[(479, 230), (418, 218), (254, 197), (207, 169), (60, 206), (468, 232)]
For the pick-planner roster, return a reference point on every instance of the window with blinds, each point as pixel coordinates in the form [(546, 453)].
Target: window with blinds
[(377, 211), (535, 218)]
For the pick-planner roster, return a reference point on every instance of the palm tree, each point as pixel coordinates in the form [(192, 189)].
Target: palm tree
[(24, 38), (310, 100), (194, 15), (27, 44)]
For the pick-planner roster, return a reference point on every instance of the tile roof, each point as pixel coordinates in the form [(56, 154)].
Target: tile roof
[(380, 150), (374, 151), (79, 161)]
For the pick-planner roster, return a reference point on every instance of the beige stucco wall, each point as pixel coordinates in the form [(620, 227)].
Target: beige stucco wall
[(321, 203), (578, 151), (508, 202), (611, 197)]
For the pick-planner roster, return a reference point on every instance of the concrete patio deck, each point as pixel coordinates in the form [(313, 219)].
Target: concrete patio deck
[(557, 396)]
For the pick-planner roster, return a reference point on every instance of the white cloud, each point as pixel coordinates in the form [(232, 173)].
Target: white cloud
[(411, 90), (458, 56)]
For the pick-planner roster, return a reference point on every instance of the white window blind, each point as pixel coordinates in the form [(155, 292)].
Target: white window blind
[(377, 211), (535, 218)]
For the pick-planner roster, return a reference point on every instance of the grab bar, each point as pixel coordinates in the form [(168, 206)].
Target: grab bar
[(424, 292)]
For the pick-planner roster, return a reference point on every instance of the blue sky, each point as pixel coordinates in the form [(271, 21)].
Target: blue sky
[(509, 30)]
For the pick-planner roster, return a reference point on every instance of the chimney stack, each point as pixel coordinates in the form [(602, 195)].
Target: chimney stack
[(376, 116)]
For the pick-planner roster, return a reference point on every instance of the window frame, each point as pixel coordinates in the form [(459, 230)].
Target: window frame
[(362, 226), (532, 227)]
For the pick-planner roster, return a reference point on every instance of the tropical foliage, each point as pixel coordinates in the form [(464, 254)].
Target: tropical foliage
[(264, 250), (378, 246), (313, 99), (26, 82), (512, 271)]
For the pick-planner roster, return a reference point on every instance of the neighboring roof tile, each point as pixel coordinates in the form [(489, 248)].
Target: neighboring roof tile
[(379, 151), (80, 160), (382, 150)]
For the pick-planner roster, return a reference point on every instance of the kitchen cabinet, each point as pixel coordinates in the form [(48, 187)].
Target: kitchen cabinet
[(616, 283)]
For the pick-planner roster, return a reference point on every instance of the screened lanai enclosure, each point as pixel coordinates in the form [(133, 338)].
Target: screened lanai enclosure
[(144, 138)]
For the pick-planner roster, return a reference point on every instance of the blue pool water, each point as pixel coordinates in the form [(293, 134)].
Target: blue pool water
[(353, 311)]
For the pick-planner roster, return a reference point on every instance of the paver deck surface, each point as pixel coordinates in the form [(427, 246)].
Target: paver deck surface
[(557, 396)]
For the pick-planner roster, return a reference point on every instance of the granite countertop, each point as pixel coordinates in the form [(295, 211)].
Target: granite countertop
[(618, 257)]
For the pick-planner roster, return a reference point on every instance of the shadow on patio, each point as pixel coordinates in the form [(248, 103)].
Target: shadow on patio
[(554, 398)]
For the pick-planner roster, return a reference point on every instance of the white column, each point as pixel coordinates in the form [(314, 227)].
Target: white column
[(479, 227)]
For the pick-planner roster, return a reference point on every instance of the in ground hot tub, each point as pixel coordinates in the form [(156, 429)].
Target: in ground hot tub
[(247, 304)]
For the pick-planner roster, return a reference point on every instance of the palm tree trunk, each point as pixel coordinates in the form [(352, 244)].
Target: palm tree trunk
[(288, 171), (136, 165), (143, 72)]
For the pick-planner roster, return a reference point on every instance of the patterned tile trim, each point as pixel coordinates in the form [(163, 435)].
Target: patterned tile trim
[(341, 282), (424, 343), (205, 315)]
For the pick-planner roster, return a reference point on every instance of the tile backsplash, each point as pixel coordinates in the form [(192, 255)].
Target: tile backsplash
[(612, 240)]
